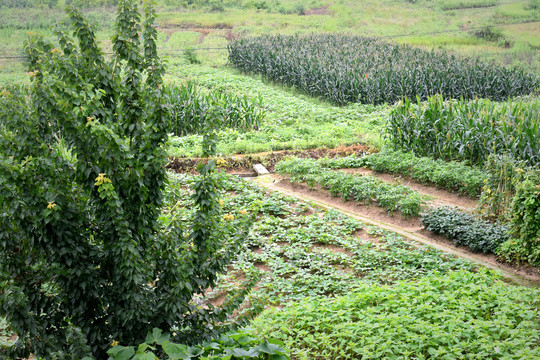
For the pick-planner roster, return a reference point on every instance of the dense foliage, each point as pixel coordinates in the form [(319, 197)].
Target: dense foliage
[(459, 315), (453, 175), (465, 229), (191, 110), (363, 189), (87, 256), (230, 346), (290, 123), (467, 130), (525, 225), (345, 68)]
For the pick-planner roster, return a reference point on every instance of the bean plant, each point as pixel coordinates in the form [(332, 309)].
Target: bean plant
[(361, 188)]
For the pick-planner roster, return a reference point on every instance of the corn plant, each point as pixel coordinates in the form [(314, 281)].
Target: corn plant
[(346, 68), (192, 109), (464, 130)]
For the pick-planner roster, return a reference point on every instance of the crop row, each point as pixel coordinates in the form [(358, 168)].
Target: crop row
[(362, 189), (467, 130), (453, 175), (291, 122), (345, 68), (194, 112)]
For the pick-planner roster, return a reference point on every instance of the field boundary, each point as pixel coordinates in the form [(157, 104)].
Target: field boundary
[(267, 182)]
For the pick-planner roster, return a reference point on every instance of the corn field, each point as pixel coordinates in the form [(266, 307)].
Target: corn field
[(194, 112), (346, 69), (463, 130)]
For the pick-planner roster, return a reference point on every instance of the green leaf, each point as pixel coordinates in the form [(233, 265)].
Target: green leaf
[(253, 352), (156, 337), (121, 352), (176, 351)]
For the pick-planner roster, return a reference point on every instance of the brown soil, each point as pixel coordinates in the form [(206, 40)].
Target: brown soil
[(333, 248), (323, 10), (440, 197), (244, 163), (409, 228)]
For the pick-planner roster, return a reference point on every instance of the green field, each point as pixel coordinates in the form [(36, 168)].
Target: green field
[(101, 244)]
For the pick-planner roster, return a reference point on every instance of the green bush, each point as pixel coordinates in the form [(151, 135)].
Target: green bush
[(465, 229), (459, 315), (347, 68), (87, 256), (525, 226), (467, 130)]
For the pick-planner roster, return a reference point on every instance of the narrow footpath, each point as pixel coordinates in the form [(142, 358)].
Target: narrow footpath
[(410, 229)]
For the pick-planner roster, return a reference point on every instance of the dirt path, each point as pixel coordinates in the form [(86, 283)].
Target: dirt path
[(408, 228)]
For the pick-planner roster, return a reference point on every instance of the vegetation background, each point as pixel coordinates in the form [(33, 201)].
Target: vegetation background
[(504, 31)]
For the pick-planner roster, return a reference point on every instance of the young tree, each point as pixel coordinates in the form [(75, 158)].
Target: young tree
[(85, 259)]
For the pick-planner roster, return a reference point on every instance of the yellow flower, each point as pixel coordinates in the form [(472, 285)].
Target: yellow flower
[(54, 51), (89, 119), (33, 73), (102, 179), (114, 343), (51, 205), (243, 212), (221, 162), (221, 202), (228, 217)]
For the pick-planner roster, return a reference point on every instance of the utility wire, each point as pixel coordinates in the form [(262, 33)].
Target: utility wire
[(213, 49)]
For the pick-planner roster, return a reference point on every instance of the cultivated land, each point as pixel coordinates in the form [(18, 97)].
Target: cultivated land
[(340, 257)]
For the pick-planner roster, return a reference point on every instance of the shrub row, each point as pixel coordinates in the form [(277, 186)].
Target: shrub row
[(465, 229), (467, 130), (362, 189), (525, 226), (193, 111), (346, 68), (454, 176)]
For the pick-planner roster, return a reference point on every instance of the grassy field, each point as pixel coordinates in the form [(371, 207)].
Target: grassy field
[(209, 25)]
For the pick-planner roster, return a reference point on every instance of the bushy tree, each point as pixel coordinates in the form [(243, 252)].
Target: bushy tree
[(85, 258)]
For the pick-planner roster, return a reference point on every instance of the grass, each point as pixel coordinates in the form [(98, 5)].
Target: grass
[(291, 122), (369, 18)]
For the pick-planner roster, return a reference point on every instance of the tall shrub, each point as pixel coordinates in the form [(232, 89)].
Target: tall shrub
[(87, 260)]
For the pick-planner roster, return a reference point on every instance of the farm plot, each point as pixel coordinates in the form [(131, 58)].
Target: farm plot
[(307, 261), (291, 122), (467, 130), (345, 68)]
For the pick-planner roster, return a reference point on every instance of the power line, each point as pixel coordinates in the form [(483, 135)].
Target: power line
[(214, 49)]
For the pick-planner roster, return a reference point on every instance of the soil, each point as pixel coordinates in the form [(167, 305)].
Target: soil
[(238, 164), (440, 197), (411, 229), (323, 10)]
